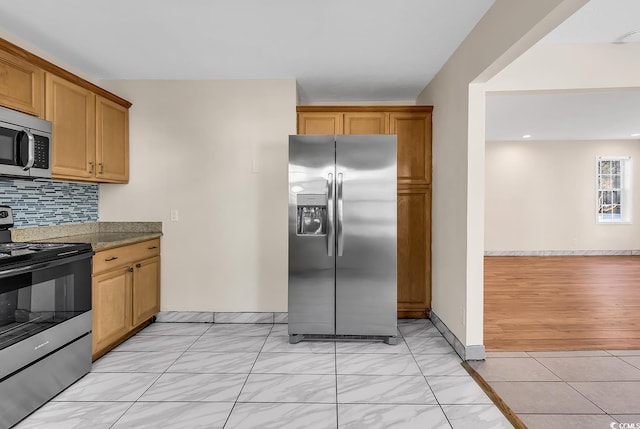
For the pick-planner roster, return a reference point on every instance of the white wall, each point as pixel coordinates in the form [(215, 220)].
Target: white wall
[(540, 195), (217, 152), (508, 29)]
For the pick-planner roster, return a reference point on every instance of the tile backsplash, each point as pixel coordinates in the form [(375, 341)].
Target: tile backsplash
[(43, 203)]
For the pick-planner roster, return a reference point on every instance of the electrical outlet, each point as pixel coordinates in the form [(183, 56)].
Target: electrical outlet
[(174, 215)]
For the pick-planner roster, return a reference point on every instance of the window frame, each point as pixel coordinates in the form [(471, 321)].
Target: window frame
[(625, 191)]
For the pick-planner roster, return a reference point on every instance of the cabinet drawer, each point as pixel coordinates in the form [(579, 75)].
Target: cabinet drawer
[(119, 256)]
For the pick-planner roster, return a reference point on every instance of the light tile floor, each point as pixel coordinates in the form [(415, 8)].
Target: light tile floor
[(191, 375), (593, 389)]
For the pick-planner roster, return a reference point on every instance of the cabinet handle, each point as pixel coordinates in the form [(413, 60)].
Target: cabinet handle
[(130, 269), (138, 265), (152, 247), (101, 168), (113, 258), (91, 167)]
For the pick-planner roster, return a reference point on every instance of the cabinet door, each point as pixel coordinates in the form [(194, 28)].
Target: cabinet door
[(21, 85), (414, 252), (414, 146), (366, 123), (112, 141), (146, 290), (111, 301), (71, 108), (320, 123)]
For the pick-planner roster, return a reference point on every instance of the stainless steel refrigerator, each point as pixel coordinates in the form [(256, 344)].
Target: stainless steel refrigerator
[(342, 236)]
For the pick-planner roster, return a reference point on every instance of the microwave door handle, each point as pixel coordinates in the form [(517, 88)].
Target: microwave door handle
[(31, 150)]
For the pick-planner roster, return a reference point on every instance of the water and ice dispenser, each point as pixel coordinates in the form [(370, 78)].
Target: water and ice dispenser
[(312, 214)]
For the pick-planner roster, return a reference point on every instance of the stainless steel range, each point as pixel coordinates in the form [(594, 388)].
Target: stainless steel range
[(45, 320)]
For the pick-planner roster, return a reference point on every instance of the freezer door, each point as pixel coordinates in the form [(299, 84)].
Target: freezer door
[(366, 213), (311, 235)]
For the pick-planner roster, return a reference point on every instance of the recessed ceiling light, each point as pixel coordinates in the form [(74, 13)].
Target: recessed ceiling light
[(635, 135), (526, 136)]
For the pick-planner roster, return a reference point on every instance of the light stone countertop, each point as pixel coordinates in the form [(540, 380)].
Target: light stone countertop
[(101, 235), (107, 240)]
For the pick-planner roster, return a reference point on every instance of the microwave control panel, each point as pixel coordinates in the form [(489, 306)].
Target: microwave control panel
[(41, 152)]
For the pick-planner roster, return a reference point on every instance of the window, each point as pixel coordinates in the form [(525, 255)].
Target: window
[(613, 181)]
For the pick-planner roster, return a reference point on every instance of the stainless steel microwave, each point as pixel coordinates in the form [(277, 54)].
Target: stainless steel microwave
[(25, 145)]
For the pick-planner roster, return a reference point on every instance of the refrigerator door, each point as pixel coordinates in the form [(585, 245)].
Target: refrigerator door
[(366, 214), (311, 235)]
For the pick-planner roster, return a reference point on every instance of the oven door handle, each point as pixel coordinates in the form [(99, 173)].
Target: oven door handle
[(42, 265)]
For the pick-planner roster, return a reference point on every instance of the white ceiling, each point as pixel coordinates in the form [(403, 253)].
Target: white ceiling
[(337, 50), (602, 115), (593, 115), (599, 21)]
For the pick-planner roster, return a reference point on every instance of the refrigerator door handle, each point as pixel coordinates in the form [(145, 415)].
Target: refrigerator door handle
[(340, 215), (331, 243)]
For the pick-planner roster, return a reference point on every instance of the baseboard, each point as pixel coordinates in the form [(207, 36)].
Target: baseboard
[(562, 252), (476, 352), (221, 317)]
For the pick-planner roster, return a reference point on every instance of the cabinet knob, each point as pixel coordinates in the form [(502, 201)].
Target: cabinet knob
[(130, 269), (138, 265)]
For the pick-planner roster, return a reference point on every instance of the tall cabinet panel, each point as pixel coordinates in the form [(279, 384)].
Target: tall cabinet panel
[(412, 125), (71, 108), (414, 256)]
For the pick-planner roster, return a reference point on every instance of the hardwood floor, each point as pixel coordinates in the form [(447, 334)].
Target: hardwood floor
[(561, 303)]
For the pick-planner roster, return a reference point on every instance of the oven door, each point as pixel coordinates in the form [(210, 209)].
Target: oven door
[(43, 307)]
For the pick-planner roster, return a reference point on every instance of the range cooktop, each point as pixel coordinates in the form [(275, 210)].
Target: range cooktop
[(19, 253)]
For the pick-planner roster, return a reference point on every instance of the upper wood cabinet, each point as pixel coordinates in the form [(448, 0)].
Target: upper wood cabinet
[(414, 145), (71, 109), (21, 85), (320, 123), (366, 123), (90, 124), (90, 134), (412, 125), (112, 141)]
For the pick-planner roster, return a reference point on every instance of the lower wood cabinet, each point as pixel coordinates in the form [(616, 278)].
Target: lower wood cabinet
[(126, 292), (111, 302), (145, 291)]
